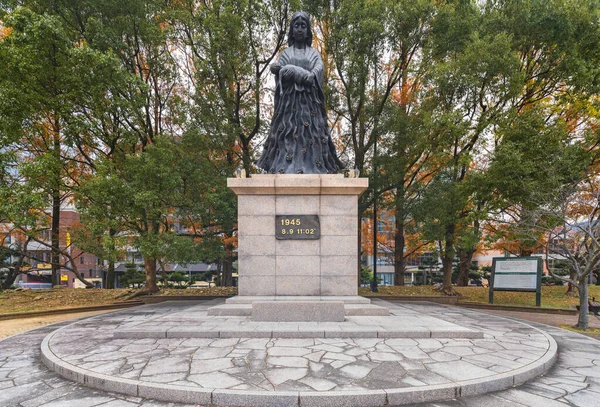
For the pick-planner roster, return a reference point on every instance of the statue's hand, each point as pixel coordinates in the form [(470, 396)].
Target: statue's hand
[(308, 79), (275, 68), (287, 73)]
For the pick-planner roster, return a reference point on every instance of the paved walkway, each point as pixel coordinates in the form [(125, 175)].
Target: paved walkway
[(550, 319), (573, 381)]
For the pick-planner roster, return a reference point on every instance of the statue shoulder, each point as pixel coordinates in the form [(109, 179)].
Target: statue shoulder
[(286, 54), (313, 54)]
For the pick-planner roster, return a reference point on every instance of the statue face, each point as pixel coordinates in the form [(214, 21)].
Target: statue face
[(300, 29)]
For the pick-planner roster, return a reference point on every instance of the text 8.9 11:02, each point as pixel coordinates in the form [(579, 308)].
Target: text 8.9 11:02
[(297, 227)]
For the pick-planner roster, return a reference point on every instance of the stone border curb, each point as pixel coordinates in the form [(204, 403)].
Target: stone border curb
[(186, 332), (31, 314), (241, 398), (517, 308)]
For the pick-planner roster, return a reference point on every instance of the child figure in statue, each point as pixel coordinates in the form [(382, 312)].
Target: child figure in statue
[(299, 139)]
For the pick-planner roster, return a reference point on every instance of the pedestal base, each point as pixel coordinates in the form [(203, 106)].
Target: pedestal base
[(298, 311), (301, 308)]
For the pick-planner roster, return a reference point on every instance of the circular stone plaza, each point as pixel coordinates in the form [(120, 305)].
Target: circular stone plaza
[(177, 353)]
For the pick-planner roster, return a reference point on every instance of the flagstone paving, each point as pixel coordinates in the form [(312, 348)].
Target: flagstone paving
[(507, 353), (281, 364)]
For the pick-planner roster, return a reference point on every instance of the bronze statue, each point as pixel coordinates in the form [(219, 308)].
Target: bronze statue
[(299, 139)]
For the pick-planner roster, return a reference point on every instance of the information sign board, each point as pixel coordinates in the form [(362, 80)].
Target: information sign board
[(516, 274)]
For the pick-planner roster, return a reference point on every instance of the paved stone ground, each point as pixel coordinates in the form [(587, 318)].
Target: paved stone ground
[(299, 364), (573, 381)]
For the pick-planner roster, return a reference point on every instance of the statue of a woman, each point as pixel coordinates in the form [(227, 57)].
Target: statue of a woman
[(299, 140)]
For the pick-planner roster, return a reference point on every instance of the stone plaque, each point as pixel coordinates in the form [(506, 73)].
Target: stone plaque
[(300, 227)]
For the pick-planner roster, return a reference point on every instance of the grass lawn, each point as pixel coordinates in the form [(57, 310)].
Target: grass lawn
[(63, 298), (552, 296), (38, 300), (590, 331)]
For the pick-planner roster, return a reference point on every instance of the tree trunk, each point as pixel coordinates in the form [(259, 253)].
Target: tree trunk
[(55, 237), (226, 279), (359, 251), (110, 275), (246, 157), (13, 272), (570, 286), (582, 321), (150, 269), (55, 190), (447, 258), (465, 258), (10, 278), (399, 250), (447, 270)]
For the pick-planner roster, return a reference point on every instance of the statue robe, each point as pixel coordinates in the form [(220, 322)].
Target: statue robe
[(299, 140)]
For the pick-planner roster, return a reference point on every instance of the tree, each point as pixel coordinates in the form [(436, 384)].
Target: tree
[(142, 193), (571, 223), (42, 62), (504, 59), (139, 104), (228, 46)]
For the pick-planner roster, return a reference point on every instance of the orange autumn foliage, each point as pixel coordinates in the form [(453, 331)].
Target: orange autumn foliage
[(5, 32)]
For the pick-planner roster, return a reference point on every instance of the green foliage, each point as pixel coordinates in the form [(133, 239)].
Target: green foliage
[(549, 280), (366, 275), (133, 276), (179, 278)]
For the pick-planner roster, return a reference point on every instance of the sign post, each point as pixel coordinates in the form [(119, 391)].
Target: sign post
[(517, 274)]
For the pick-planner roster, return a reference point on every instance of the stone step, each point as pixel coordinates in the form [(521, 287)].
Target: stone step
[(245, 310), (364, 310), (347, 299), (303, 330), (231, 310)]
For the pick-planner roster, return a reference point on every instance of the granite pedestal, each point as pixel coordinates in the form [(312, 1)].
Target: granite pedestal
[(296, 266), (268, 266)]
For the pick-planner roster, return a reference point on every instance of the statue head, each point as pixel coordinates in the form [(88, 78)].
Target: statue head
[(298, 18)]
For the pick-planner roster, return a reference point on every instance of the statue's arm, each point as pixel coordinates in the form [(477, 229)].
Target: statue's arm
[(295, 73), (305, 77), (282, 60), (275, 68)]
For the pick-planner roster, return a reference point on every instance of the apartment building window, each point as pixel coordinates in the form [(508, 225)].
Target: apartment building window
[(82, 260)]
